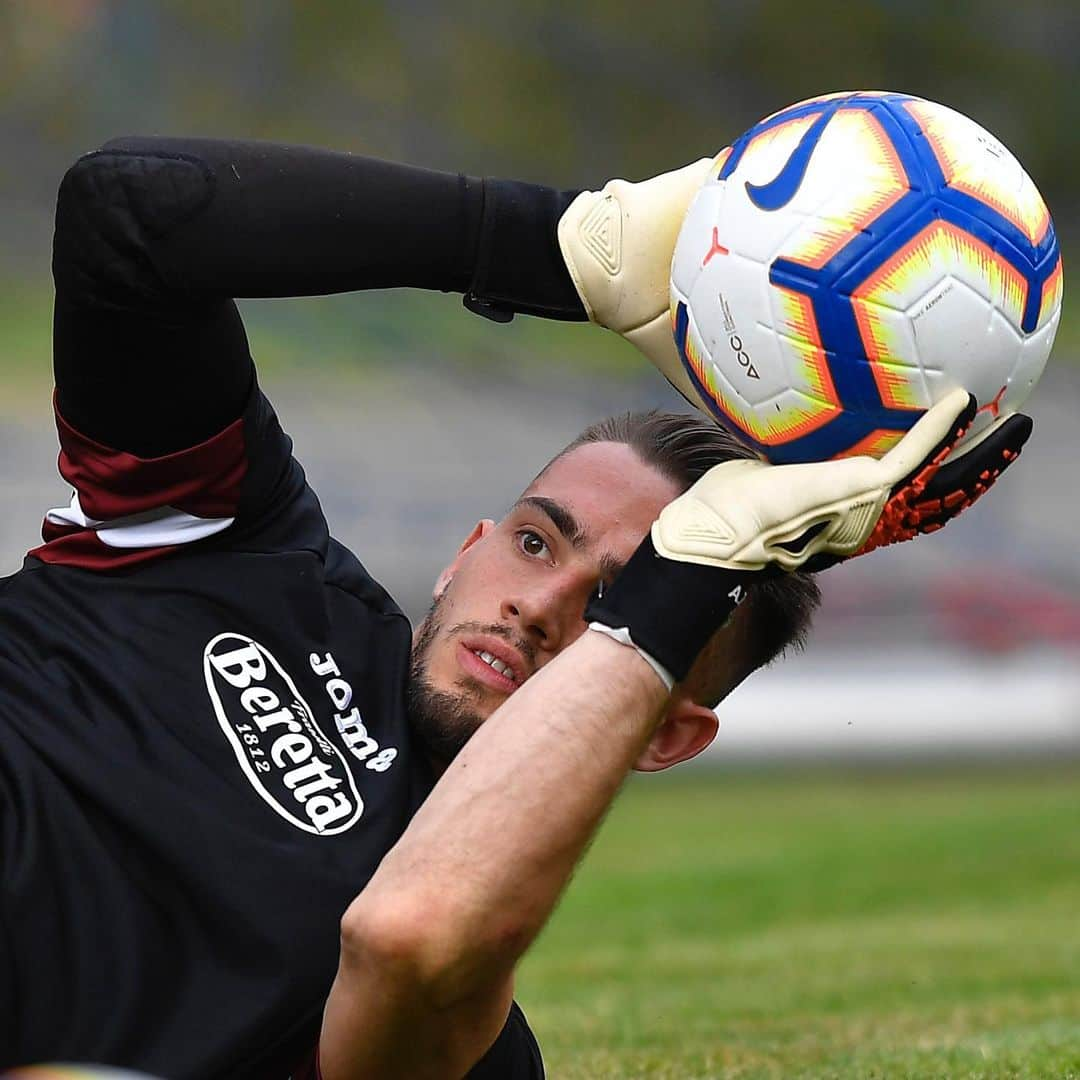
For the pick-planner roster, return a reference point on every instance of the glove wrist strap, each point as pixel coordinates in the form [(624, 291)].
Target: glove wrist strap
[(518, 266), (668, 609)]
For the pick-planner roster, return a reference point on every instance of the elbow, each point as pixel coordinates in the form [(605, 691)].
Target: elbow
[(97, 237), (84, 193), (111, 207), (383, 938), (79, 236), (420, 945)]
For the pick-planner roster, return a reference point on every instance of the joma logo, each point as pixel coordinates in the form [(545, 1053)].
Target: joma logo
[(289, 761)]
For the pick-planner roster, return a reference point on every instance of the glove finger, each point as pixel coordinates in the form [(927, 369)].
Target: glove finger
[(957, 484), (897, 522), (920, 475), (995, 452)]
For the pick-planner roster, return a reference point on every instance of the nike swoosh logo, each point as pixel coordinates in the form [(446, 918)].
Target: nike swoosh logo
[(780, 190)]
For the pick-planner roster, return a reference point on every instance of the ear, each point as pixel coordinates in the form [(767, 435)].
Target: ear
[(687, 728), (480, 530)]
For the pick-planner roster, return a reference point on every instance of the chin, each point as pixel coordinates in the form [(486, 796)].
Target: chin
[(443, 720)]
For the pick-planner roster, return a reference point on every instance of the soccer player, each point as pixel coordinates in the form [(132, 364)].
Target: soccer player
[(217, 729)]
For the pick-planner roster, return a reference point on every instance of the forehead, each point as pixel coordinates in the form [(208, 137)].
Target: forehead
[(613, 494)]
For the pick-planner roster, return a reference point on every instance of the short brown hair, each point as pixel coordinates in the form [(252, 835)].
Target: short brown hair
[(684, 446)]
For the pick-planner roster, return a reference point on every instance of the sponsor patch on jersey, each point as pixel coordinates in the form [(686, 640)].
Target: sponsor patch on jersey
[(290, 762)]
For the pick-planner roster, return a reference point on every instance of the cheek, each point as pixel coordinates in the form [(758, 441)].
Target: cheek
[(474, 585)]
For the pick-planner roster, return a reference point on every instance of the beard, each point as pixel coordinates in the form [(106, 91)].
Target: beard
[(445, 720)]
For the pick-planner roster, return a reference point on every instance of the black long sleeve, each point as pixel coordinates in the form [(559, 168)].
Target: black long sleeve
[(156, 236)]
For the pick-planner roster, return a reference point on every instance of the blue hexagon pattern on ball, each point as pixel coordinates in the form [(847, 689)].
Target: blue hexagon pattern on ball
[(850, 260)]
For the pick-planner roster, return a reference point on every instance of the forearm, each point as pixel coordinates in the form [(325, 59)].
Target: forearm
[(240, 218), (478, 871), (497, 839), (155, 236)]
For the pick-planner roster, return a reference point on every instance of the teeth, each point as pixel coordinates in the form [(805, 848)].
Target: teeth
[(498, 665)]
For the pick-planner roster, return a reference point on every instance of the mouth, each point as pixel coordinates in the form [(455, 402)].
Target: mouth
[(492, 663)]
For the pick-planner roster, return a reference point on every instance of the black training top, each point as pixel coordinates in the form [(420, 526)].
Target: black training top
[(204, 751)]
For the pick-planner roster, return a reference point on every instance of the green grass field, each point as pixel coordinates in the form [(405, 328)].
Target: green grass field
[(821, 924)]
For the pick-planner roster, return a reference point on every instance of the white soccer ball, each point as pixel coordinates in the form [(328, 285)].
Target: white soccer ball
[(849, 261)]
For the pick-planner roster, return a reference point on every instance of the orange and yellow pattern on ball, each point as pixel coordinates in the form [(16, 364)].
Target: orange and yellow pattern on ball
[(882, 248), (810, 406), (1052, 291), (883, 183), (993, 176), (881, 294)]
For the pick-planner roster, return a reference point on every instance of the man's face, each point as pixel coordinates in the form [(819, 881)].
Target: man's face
[(515, 595)]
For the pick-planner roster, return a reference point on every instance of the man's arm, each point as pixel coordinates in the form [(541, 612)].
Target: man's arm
[(429, 946), (155, 236)]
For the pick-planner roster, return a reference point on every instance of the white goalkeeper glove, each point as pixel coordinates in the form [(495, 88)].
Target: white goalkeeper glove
[(617, 244), (744, 520)]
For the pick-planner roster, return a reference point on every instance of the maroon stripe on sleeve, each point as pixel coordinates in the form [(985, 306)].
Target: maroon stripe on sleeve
[(85, 550), (124, 496), (203, 480)]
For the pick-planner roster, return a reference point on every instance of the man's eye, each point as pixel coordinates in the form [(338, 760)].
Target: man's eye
[(533, 544)]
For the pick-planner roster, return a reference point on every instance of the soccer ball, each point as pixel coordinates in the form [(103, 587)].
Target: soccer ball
[(849, 261)]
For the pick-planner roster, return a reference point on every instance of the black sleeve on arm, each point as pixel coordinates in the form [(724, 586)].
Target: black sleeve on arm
[(155, 236), (514, 1055)]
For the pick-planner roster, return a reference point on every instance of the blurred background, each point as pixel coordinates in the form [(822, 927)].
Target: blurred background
[(904, 904), (414, 418)]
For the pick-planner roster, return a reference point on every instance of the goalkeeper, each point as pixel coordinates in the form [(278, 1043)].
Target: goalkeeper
[(215, 735)]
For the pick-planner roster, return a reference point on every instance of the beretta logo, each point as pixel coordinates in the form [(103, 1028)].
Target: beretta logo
[(287, 758)]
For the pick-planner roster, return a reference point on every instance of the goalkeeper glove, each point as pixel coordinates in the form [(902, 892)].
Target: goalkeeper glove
[(746, 520), (617, 244)]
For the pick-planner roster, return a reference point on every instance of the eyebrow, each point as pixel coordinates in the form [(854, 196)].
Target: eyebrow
[(563, 520), (571, 529)]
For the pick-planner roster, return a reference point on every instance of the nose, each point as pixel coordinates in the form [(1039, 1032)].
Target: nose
[(551, 613)]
